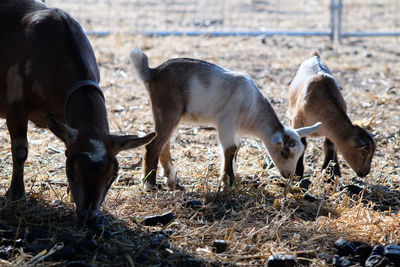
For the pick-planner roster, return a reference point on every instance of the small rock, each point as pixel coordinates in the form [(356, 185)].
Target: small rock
[(281, 261), (193, 204), (5, 252), (368, 55), (83, 246), (310, 198), (341, 262), (362, 253), (378, 250), (66, 253), (344, 248), (160, 242), (377, 261), (32, 249), (35, 233), (163, 219), (305, 183), (78, 264), (392, 252), (220, 245), (354, 189)]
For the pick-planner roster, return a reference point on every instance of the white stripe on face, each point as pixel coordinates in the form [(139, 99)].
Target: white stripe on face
[(99, 151)]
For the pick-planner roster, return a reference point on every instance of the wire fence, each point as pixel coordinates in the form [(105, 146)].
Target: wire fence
[(334, 18)]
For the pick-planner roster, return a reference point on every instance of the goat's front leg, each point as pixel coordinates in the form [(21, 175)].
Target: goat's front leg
[(300, 162), (171, 178), (331, 155), (17, 126)]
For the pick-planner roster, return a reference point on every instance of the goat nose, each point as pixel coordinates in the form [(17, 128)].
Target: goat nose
[(88, 217)]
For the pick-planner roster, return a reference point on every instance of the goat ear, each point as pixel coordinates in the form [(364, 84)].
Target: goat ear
[(358, 142), (125, 142), (67, 134), (302, 132), (277, 140)]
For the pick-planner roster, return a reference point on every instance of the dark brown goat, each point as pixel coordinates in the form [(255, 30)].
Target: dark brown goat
[(49, 75)]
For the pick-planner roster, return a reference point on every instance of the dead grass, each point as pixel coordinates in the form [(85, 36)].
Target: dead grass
[(261, 217)]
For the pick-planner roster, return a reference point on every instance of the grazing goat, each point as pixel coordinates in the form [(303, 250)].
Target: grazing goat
[(315, 96), (49, 75), (199, 91)]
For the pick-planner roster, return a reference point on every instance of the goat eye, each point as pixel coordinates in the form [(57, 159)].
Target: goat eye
[(364, 152), (292, 144)]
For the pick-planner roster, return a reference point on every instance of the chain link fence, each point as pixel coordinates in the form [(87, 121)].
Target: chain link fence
[(333, 18)]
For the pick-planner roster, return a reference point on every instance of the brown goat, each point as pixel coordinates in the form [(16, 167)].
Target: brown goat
[(315, 96), (198, 91), (49, 75)]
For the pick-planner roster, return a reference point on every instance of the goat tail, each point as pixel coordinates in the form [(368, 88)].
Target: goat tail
[(140, 63), (315, 53)]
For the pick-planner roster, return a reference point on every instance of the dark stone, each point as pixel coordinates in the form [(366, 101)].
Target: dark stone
[(341, 262), (344, 248), (193, 204), (362, 253), (305, 184), (378, 250), (5, 252), (32, 249), (66, 253), (310, 198), (34, 234), (163, 219), (67, 239), (160, 242), (220, 245), (281, 261), (146, 257), (392, 252), (83, 246), (354, 189), (378, 261), (78, 264), (368, 55)]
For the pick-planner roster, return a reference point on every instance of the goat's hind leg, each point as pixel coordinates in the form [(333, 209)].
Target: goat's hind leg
[(164, 128), (17, 126), (230, 148), (171, 178)]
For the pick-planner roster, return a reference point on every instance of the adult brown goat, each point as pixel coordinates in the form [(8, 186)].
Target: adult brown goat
[(315, 96), (49, 75)]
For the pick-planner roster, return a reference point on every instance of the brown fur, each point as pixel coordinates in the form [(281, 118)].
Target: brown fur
[(318, 98)]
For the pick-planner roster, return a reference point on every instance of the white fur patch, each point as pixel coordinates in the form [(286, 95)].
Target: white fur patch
[(14, 85), (99, 151)]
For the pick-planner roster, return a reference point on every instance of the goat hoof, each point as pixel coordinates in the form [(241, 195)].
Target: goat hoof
[(149, 187), (176, 186)]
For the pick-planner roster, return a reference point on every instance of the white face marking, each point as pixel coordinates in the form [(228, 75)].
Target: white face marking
[(99, 151), (14, 84)]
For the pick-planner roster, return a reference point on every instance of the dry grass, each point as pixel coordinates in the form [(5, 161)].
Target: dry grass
[(261, 217)]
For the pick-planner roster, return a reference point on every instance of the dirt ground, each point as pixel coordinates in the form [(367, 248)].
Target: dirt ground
[(264, 215)]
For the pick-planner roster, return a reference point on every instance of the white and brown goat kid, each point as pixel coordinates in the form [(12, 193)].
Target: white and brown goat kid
[(49, 75), (199, 91), (315, 96)]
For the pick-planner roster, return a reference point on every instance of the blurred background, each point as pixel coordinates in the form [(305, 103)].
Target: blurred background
[(334, 18)]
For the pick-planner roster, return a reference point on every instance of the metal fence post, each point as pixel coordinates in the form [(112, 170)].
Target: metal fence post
[(332, 21), (339, 18)]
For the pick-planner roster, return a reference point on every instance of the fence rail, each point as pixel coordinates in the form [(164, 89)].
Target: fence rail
[(336, 19)]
